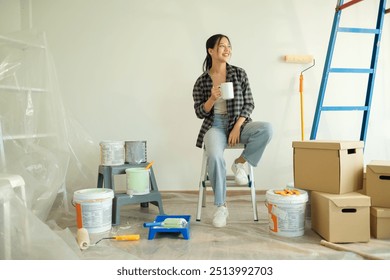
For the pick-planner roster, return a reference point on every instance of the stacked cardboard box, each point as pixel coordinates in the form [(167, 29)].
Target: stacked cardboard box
[(333, 172), (378, 188)]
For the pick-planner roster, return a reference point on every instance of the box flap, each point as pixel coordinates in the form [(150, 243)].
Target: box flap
[(379, 166), (380, 212), (328, 145), (352, 199)]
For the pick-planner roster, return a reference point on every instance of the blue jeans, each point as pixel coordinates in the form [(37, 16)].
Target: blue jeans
[(255, 135)]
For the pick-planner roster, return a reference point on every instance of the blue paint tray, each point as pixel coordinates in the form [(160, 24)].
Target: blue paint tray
[(156, 229)]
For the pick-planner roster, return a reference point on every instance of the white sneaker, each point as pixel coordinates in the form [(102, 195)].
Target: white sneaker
[(240, 175), (220, 216)]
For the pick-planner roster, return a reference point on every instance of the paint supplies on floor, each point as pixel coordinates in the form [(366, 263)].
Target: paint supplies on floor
[(130, 237), (84, 241), (286, 211), (169, 223), (94, 209), (179, 224)]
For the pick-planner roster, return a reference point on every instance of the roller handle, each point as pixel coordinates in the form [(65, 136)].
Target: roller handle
[(302, 107), (301, 83), (343, 248), (131, 237), (154, 224)]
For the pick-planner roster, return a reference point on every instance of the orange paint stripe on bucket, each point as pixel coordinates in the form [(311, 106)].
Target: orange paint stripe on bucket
[(79, 216), (273, 219)]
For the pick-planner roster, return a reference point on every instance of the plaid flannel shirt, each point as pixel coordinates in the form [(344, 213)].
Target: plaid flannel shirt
[(241, 106)]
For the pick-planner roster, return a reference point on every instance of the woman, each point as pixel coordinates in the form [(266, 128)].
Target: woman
[(226, 122)]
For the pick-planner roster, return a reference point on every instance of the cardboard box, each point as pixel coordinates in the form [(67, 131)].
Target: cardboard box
[(380, 222), (341, 218), (331, 166), (378, 183), (364, 189)]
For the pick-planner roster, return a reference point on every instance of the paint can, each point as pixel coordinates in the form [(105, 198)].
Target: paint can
[(94, 209), (286, 213), (135, 152), (112, 152), (137, 181)]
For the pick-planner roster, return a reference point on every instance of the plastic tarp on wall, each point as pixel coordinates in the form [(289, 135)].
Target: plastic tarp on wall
[(35, 144)]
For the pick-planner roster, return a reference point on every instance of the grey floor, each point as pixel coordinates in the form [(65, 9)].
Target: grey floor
[(241, 239)]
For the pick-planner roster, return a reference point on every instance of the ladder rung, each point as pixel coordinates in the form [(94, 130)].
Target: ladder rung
[(344, 108), (346, 5), (358, 30), (352, 70)]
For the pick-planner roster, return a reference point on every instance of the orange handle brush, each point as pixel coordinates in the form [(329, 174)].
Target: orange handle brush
[(149, 165)]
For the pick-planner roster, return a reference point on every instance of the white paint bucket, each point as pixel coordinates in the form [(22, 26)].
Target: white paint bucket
[(112, 152), (308, 204), (137, 181), (286, 213), (135, 152), (94, 209)]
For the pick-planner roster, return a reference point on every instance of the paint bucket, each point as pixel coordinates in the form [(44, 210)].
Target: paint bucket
[(135, 152), (112, 152), (286, 213), (308, 204), (137, 181), (93, 209)]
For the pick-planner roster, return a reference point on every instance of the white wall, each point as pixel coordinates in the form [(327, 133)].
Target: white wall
[(126, 71), (9, 16)]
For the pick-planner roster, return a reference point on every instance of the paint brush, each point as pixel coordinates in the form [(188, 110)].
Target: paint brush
[(149, 165)]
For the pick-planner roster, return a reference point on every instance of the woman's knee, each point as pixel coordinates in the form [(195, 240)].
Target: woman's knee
[(267, 131), (263, 131)]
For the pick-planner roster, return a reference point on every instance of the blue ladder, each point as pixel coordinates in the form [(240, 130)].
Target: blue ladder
[(377, 32)]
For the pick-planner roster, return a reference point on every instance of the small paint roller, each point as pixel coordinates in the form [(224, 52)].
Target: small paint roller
[(84, 242), (169, 223), (301, 59), (83, 238)]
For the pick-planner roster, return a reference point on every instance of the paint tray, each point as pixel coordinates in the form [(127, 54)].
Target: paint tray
[(158, 229)]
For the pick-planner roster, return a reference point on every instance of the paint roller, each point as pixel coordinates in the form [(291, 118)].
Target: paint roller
[(83, 238), (84, 242), (301, 59), (169, 223)]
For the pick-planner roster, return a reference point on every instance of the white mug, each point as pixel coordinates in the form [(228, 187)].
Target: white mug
[(227, 90)]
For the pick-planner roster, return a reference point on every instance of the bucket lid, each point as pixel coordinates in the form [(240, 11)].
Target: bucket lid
[(93, 193), (136, 142), (275, 196), (136, 170)]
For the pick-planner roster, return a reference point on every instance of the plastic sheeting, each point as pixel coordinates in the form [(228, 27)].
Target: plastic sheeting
[(24, 236), (37, 142), (34, 143)]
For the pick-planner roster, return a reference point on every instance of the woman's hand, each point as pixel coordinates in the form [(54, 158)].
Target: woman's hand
[(234, 136), (215, 93)]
